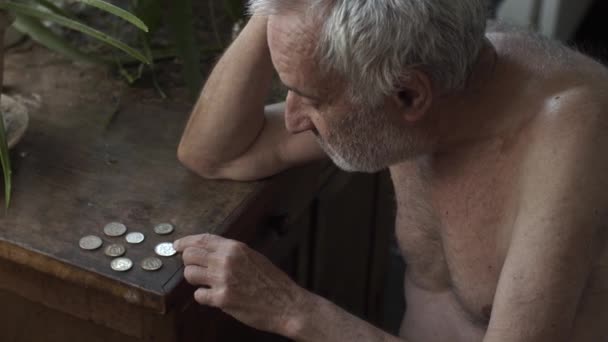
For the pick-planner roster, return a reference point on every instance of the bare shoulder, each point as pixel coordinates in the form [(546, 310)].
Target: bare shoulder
[(513, 35), (565, 162), (575, 116), (579, 111), (540, 54), (559, 231), (568, 90)]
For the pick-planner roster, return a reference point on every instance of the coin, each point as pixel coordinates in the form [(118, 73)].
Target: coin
[(114, 229), (121, 264), (90, 243), (163, 229), (165, 249), (115, 250), (135, 238), (151, 264)]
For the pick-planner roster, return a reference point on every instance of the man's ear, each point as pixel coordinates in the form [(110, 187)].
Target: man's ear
[(415, 95)]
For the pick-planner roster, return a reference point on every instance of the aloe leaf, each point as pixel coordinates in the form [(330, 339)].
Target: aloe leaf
[(157, 54), (5, 161), (53, 8), (32, 11), (117, 11), (181, 25), (43, 35), (148, 51)]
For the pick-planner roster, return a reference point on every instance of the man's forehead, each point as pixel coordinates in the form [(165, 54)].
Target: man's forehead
[(293, 34), (293, 45)]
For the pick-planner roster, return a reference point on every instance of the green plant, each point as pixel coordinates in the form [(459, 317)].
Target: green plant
[(148, 16), (179, 19), (30, 16)]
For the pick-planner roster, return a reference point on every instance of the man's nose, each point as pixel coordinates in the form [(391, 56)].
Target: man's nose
[(297, 119)]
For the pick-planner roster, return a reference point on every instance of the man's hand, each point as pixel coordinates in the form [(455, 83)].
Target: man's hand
[(239, 281)]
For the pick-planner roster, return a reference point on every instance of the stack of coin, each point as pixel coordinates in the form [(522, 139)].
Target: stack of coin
[(115, 229), (165, 249), (151, 264), (121, 264), (90, 243), (115, 250), (163, 229), (135, 238)]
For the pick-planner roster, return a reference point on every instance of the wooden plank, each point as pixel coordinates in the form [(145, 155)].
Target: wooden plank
[(85, 303), (50, 325)]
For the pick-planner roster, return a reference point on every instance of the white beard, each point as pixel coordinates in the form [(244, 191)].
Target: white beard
[(368, 142), (337, 159)]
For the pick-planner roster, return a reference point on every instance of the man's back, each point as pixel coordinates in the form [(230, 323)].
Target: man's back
[(463, 213)]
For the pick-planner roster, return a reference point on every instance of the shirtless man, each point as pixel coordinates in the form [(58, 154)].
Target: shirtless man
[(495, 143)]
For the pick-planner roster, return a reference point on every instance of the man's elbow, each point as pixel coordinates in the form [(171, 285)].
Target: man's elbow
[(198, 165), (244, 169)]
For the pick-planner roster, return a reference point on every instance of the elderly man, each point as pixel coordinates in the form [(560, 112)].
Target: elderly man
[(496, 148)]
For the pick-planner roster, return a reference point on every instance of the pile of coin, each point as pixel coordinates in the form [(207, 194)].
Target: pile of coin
[(117, 251)]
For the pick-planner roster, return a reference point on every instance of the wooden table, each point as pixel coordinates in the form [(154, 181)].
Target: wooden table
[(76, 170)]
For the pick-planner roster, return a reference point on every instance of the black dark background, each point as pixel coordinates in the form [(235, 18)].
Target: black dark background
[(591, 37)]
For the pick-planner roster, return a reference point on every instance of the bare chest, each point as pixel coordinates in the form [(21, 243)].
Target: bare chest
[(453, 225)]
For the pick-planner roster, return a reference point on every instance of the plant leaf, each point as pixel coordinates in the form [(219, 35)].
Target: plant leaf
[(32, 11), (117, 11), (54, 8), (157, 54), (181, 25), (5, 161), (145, 39), (43, 35)]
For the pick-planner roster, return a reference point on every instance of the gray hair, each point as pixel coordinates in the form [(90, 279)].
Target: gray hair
[(374, 44)]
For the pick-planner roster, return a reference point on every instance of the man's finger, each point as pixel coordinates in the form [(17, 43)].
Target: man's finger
[(207, 241), (199, 276), (212, 297), (200, 257)]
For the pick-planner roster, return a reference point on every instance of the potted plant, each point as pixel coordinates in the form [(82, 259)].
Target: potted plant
[(29, 16)]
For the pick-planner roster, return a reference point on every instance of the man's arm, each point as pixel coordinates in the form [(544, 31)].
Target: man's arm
[(247, 286), (560, 229), (230, 133)]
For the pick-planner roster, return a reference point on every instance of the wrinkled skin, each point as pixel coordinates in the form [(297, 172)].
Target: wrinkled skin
[(238, 280)]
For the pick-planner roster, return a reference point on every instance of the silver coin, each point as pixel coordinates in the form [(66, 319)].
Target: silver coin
[(121, 264), (115, 250), (114, 229), (135, 238), (165, 249), (163, 229), (151, 264), (90, 243)]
